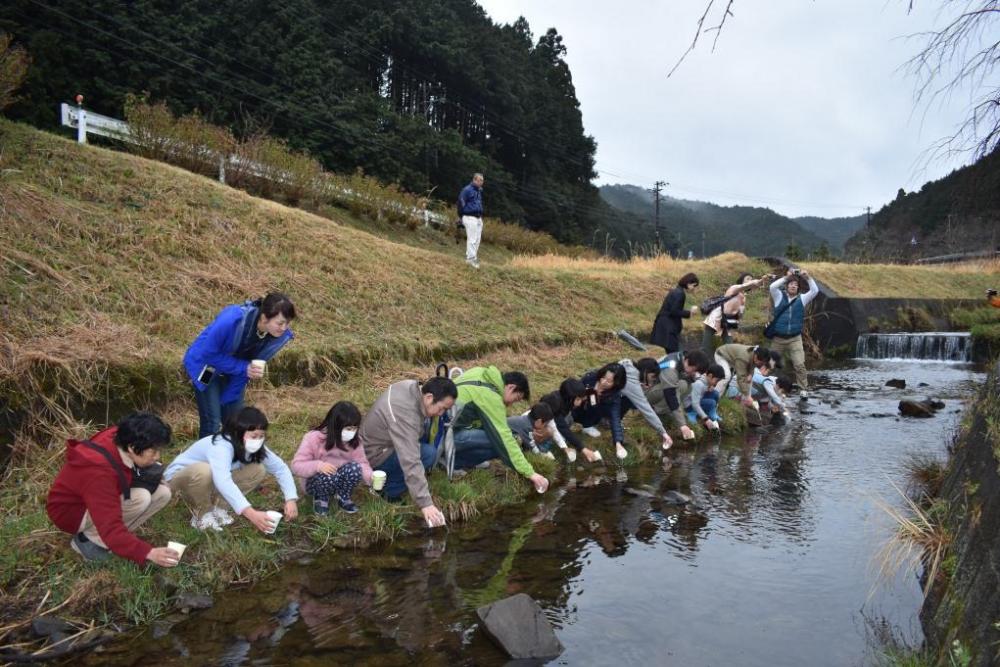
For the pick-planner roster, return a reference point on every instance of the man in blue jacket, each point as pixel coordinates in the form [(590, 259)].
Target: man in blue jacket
[(470, 212), (790, 310)]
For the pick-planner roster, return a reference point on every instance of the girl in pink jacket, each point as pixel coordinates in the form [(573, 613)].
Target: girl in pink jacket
[(331, 460)]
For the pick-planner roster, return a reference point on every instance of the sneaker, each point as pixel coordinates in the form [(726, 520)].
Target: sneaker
[(550, 455), (474, 263), (321, 507), (485, 465), (346, 505), (620, 451), (592, 432), (458, 474), (222, 517), (570, 455), (87, 549), (207, 521)]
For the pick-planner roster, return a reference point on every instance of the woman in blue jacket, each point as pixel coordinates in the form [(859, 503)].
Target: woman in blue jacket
[(218, 361), (604, 401)]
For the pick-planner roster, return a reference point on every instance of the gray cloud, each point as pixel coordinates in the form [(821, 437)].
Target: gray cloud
[(801, 107)]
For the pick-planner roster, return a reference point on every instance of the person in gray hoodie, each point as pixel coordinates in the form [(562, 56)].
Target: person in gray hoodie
[(639, 377), (392, 435)]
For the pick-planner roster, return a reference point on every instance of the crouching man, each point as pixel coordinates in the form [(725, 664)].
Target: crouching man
[(101, 497)]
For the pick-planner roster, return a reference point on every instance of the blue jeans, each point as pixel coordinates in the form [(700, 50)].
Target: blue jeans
[(211, 411), (395, 481), (472, 447), (709, 405)]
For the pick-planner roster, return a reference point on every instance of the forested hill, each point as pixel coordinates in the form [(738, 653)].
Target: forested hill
[(419, 93), (958, 213), (746, 229)]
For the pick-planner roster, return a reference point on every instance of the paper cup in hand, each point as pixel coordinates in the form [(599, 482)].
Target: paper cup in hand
[(178, 547), (275, 518), (259, 364), (378, 480)]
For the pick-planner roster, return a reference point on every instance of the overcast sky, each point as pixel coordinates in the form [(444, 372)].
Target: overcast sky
[(802, 107)]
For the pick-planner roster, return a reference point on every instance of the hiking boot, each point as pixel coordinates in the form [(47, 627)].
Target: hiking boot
[(222, 517), (592, 432), (549, 455), (90, 551), (206, 521), (321, 507), (347, 505)]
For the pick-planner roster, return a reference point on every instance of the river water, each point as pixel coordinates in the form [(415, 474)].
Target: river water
[(771, 565)]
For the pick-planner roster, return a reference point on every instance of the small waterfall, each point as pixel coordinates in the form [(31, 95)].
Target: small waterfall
[(937, 346)]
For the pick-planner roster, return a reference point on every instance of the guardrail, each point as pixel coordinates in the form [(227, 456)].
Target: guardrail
[(87, 122)]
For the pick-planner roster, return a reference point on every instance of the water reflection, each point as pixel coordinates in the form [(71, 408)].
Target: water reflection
[(763, 563)]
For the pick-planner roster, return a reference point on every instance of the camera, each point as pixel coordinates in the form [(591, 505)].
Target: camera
[(796, 272)]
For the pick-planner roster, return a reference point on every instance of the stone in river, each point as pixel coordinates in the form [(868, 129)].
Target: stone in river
[(675, 498), (898, 383), (915, 409), (188, 601), (519, 627)]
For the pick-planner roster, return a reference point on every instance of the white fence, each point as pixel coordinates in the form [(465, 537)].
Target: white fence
[(87, 122)]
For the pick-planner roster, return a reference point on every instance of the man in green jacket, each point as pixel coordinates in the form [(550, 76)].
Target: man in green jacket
[(480, 430)]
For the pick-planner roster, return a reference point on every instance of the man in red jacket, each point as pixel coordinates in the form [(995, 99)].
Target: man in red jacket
[(92, 497)]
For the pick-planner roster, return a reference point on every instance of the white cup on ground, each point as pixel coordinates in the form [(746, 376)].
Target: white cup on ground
[(178, 547), (259, 364), (378, 480), (275, 518)]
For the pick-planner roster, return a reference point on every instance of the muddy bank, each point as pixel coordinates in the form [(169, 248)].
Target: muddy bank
[(964, 601)]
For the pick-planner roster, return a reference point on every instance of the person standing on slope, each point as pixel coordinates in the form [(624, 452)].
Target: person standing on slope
[(470, 212)]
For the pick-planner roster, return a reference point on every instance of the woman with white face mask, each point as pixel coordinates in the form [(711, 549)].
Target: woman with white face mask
[(330, 462), (230, 464)]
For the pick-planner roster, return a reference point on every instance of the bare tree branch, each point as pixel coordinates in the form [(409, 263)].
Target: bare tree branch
[(700, 27)]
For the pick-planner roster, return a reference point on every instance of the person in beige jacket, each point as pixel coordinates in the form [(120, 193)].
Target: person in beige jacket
[(392, 432)]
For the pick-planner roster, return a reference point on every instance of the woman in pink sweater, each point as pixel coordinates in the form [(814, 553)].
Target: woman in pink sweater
[(331, 460)]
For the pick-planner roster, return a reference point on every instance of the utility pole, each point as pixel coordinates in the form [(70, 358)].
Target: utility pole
[(869, 221), (657, 187), (703, 244)]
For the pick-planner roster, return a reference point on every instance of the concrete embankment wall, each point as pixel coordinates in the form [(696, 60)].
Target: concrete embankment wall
[(964, 602)]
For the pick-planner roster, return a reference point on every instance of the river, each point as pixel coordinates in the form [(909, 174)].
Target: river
[(772, 564)]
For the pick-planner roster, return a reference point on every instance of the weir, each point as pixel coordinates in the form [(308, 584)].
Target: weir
[(935, 346)]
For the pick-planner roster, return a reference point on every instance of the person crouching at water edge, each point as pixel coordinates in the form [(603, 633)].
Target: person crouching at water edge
[(739, 361), (571, 394), (667, 395), (481, 431), (101, 498), (230, 464), (330, 461), (768, 392), (701, 405), (392, 435), (232, 350), (603, 402)]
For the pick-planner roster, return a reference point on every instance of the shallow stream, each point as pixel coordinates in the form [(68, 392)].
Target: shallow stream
[(772, 564)]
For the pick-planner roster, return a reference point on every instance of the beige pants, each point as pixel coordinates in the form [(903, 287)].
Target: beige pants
[(194, 484), (791, 350), (136, 511)]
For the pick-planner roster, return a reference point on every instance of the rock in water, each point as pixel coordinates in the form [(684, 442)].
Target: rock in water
[(897, 383), (519, 627), (934, 404), (189, 601), (639, 492), (915, 409), (675, 498)]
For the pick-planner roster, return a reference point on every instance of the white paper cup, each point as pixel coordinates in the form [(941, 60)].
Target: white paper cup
[(275, 518), (378, 480), (178, 547), (259, 364)]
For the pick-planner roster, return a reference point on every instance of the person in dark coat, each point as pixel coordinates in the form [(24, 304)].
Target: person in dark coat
[(667, 326)]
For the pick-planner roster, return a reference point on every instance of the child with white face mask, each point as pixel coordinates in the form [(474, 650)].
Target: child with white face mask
[(330, 462), (231, 464)]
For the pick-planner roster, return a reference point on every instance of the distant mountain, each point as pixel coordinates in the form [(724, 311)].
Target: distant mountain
[(958, 213), (835, 231), (709, 229)]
